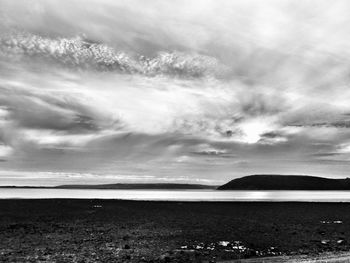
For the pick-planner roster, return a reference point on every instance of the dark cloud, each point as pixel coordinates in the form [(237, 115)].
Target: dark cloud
[(325, 154), (34, 110), (259, 104), (271, 135), (336, 124)]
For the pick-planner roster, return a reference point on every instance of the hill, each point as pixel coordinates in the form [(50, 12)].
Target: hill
[(286, 182)]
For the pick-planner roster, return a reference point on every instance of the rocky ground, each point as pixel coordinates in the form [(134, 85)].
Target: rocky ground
[(134, 231)]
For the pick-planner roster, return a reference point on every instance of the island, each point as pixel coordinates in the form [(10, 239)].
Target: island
[(285, 182)]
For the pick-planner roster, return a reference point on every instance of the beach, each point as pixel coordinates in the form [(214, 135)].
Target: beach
[(68, 230)]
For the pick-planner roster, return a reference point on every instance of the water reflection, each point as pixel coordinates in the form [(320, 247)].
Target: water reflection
[(180, 195)]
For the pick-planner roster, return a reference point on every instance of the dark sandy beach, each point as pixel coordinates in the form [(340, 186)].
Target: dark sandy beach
[(133, 231)]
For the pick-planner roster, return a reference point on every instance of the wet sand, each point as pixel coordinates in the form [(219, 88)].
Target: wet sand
[(62, 230), (328, 257)]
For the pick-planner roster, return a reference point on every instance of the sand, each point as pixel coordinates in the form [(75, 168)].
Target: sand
[(62, 230)]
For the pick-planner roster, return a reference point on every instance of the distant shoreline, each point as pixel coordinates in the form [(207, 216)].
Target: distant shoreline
[(268, 182), (121, 187)]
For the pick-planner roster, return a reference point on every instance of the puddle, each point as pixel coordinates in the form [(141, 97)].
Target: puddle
[(325, 241), (232, 247), (331, 222)]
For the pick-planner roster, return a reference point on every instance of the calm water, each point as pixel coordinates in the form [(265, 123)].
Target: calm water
[(180, 195)]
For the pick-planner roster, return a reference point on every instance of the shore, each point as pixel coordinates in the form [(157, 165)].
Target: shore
[(65, 230)]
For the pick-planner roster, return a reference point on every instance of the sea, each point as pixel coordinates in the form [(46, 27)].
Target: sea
[(178, 195)]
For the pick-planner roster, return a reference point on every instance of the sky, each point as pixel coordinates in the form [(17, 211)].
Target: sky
[(180, 91)]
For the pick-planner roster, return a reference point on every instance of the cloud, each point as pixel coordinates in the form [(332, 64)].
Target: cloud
[(206, 89), (5, 151), (35, 111), (81, 53), (208, 150), (32, 119)]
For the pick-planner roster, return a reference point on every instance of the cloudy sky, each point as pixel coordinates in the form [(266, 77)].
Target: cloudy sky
[(101, 91)]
